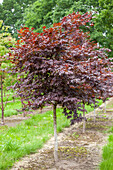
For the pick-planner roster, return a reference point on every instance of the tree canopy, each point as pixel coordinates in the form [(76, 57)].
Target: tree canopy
[(42, 12), (62, 65), (46, 13), (103, 32)]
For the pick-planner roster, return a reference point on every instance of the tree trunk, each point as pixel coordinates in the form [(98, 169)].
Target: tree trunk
[(40, 110), (2, 103), (55, 134), (94, 114), (84, 120), (22, 107), (105, 107), (13, 99)]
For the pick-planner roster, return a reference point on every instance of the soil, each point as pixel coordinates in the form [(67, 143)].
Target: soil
[(76, 150)]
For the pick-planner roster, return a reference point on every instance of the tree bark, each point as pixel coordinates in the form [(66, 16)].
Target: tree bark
[(84, 120), (13, 99), (105, 107), (94, 114), (2, 103), (22, 107), (55, 134)]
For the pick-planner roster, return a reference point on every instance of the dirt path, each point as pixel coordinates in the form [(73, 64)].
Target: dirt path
[(77, 151)]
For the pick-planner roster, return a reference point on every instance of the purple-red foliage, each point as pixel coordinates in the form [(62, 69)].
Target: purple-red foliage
[(62, 66)]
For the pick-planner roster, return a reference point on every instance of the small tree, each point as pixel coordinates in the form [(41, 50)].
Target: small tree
[(6, 41), (60, 67)]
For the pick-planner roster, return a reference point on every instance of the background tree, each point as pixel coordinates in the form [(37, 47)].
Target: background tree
[(12, 13), (103, 29), (6, 41), (46, 13), (40, 13)]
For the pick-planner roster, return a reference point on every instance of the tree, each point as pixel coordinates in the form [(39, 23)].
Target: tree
[(43, 13), (62, 66), (6, 41), (103, 29), (40, 13), (12, 13), (46, 13)]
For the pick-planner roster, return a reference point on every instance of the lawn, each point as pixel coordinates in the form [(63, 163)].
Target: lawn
[(30, 135), (11, 108), (107, 163), (27, 137)]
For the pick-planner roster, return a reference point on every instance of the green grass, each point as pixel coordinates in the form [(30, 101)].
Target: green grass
[(10, 109), (26, 138), (30, 135), (107, 163), (8, 96)]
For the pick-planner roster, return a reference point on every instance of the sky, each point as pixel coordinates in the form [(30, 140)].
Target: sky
[(1, 1)]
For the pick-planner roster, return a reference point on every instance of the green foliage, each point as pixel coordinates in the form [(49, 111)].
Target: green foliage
[(12, 13), (46, 13), (103, 28), (6, 39), (39, 14)]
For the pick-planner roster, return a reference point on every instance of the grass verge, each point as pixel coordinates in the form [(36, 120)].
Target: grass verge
[(30, 135), (26, 138), (11, 107), (107, 163)]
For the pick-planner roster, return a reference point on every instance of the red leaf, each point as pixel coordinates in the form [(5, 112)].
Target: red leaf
[(32, 29), (44, 27)]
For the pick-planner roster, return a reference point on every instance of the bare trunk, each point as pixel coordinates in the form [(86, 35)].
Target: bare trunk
[(105, 107), (94, 115), (2, 103), (55, 134), (22, 107), (13, 99), (40, 110), (84, 120)]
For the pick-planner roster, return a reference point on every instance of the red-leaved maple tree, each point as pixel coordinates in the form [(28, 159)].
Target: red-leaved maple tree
[(62, 66)]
